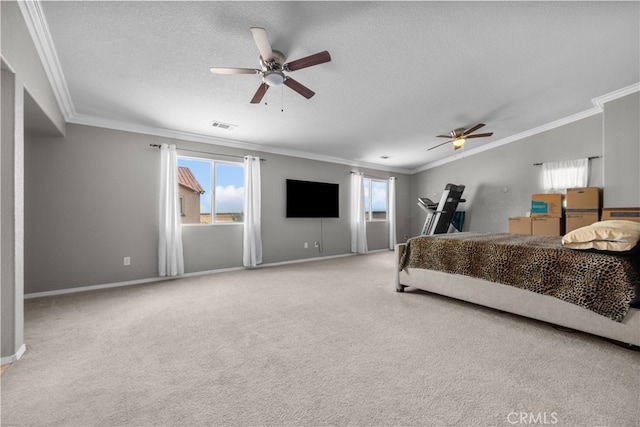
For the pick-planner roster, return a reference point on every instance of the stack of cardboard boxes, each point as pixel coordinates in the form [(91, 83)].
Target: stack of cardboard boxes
[(548, 215), (583, 207)]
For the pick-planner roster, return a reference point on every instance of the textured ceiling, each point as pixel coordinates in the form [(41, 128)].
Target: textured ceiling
[(401, 72)]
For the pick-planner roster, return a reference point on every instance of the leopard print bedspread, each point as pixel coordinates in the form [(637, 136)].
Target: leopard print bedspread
[(599, 282)]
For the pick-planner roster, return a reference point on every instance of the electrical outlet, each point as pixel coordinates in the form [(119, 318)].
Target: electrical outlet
[(306, 245), (127, 260), (317, 244)]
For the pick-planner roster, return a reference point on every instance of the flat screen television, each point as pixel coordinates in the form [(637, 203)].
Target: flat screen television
[(308, 199)]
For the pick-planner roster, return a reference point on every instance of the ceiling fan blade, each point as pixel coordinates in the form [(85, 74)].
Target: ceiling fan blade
[(301, 89), (262, 89), (308, 61), (439, 145), (473, 129), (479, 135), (262, 41), (443, 136), (224, 70)]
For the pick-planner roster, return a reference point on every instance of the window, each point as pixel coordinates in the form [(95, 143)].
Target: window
[(210, 191), (375, 199), (229, 194), (558, 176)]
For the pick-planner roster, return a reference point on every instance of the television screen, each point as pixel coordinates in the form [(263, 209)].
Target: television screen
[(307, 199)]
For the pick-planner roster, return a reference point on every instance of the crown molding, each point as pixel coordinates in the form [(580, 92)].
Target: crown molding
[(196, 137), (601, 100), (39, 31), (598, 107), (5, 65)]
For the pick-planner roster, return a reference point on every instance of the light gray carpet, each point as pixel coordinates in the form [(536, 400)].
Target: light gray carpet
[(320, 343)]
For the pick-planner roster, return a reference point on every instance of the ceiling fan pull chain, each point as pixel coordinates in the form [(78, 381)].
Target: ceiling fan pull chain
[(282, 99)]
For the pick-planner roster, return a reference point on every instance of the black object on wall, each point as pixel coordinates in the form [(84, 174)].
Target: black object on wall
[(309, 199)]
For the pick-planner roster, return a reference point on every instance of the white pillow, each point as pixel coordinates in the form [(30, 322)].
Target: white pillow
[(613, 235)]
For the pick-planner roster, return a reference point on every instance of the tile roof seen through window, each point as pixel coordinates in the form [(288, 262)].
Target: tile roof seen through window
[(186, 178)]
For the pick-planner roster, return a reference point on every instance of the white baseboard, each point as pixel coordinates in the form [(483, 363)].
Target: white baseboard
[(95, 287), (14, 357), (159, 279)]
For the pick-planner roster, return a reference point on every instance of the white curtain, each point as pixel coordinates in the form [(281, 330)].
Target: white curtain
[(558, 176), (170, 259), (392, 213), (252, 239), (358, 223)]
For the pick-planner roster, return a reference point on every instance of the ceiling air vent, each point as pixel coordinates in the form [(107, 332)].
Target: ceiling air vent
[(226, 126)]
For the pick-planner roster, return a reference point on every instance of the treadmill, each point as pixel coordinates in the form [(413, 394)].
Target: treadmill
[(440, 216)]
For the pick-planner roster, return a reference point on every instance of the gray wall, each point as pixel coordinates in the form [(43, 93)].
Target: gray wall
[(622, 152), (499, 182), (92, 199)]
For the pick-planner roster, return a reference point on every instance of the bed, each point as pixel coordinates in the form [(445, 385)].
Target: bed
[(531, 276)]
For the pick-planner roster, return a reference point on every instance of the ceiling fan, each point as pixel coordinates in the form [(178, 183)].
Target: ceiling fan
[(273, 67), (459, 136)]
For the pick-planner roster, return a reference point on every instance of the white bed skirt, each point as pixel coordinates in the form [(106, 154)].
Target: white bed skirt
[(520, 301)]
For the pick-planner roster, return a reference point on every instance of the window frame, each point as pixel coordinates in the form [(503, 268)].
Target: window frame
[(213, 162), (368, 210)]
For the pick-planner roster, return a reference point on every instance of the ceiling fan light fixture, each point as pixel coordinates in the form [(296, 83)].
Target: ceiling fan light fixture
[(459, 142), (459, 136), (273, 78), (272, 64)]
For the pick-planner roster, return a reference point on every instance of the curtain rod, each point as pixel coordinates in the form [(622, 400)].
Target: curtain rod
[(206, 152), (589, 158), (373, 176)]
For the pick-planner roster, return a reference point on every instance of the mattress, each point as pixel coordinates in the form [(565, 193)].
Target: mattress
[(601, 282)]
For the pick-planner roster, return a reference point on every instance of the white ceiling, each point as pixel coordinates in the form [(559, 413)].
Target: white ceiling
[(401, 72)]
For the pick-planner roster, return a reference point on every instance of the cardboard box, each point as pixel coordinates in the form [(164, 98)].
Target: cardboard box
[(583, 199), (546, 226), (628, 214), (575, 220), (546, 205), (520, 225)]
